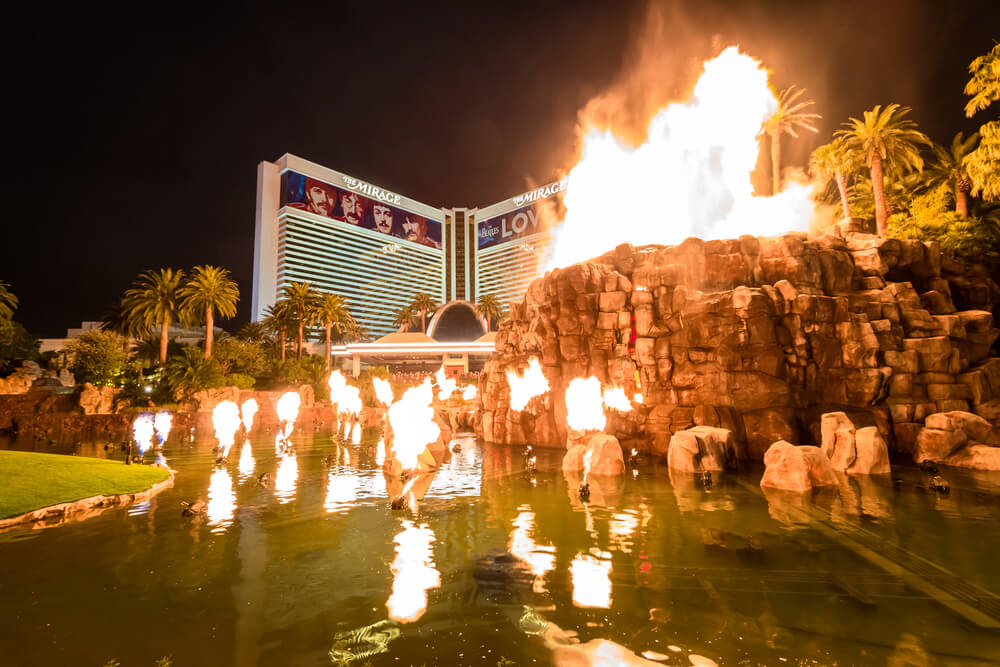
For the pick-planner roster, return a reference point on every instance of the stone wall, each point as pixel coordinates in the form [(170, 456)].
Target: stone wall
[(757, 335)]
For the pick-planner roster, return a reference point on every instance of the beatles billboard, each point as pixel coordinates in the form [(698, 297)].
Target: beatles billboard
[(536, 211), (359, 204)]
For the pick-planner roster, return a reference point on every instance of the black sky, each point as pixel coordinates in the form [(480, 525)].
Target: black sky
[(135, 133)]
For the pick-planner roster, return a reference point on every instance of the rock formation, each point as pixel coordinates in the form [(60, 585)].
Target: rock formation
[(794, 468), (98, 400), (960, 439), (760, 336), (700, 449), (20, 381), (857, 451), (605, 455)]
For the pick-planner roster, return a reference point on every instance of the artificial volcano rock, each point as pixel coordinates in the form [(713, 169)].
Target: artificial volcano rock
[(760, 336)]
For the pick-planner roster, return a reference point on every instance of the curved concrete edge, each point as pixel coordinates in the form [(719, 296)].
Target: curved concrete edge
[(84, 508)]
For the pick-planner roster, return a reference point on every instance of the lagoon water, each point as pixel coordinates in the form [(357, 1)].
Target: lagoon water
[(489, 561)]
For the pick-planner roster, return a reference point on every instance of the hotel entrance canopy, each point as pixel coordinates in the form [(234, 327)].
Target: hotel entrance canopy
[(414, 349)]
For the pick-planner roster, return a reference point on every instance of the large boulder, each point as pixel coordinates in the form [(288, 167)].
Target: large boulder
[(960, 439), (701, 448), (856, 451), (796, 468), (206, 399), (98, 400), (605, 455), (16, 383)]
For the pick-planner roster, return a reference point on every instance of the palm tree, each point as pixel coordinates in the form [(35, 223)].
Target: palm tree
[(983, 164), (789, 117), (300, 298), (330, 311), (8, 302), (834, 160), (885, 138), (116, 318), (255, 332), (189, 372), (209, 289), (488, 308), (423, 302), (948, 168), (154, 300), (404, 318), (278, 320)]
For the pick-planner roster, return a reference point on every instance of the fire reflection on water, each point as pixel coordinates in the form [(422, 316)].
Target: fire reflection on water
[(246, 461), (221, 500), (591, 576), (286, 478), (540, 559), (413, 572), (341, 491)]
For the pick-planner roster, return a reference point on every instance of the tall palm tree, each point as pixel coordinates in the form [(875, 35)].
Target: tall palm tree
[(789, 117), (207, 290), (300, 297), (422, 303), (488, 308), (983, 164), (278, 320), (948, 168), (404, 318), (885, 137), (116, 318), (154, 300), (834, 160), (330, 312), (8, 302)]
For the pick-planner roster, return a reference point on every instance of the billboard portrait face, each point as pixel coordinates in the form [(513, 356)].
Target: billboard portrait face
[(352, 205), (321, 198), (382, 215)]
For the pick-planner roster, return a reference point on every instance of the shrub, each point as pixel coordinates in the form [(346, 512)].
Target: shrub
[(99, 357), (239, 380), (190, 372)]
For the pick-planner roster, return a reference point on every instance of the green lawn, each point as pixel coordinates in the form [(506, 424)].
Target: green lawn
[(30, 481)]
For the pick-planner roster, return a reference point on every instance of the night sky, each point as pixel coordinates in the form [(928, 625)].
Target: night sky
[(135, 134)]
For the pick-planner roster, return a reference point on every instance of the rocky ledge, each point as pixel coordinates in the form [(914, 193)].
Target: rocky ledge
[(760, 336)]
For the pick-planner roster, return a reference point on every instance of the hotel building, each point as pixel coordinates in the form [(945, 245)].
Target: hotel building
[(379, 249)]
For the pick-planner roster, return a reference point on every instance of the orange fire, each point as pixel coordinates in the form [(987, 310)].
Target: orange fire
[(585, 405), (691, 176), (525, 387)]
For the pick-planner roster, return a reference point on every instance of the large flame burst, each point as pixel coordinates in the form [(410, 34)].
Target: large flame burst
[(226, 420), (691, 177), (413, 426)]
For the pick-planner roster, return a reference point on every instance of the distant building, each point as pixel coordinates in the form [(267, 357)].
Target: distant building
[(379, 249), (183, 335)]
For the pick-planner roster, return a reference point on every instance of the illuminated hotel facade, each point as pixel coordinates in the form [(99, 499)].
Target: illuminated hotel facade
[(379, 249)]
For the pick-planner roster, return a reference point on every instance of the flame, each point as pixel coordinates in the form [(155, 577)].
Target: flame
[(249, 410), (614, 398), (691, 176), (585, 405), (288, 412), (383, 391), (525, 387), (356, 434), (347, 430), (162, 422), (380, 453), (413, 426), (637, 398), (540, 559), (446, 385), (226, 420), (591, 577), (588, 455), (221, 500), (470, 393), (413, 573), (142, 432), (246, 460)]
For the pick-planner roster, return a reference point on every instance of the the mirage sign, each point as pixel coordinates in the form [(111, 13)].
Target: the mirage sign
[(541, 211)]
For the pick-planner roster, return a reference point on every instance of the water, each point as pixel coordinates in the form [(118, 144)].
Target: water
[(315, 561)]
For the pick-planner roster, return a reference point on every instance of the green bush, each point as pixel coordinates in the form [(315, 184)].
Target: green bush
[(190, 372), (245, 357), (99, 357), (930, 217), (239, 380)]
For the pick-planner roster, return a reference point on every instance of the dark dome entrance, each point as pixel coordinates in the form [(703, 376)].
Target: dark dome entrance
[(455, 322)]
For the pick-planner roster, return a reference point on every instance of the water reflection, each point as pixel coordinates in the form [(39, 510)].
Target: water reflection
[(413, 572), (246, 461), (540, 559), (621, 527), (341, 491), (380, 453), (591, 576), (286, 477), (221, 500)]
